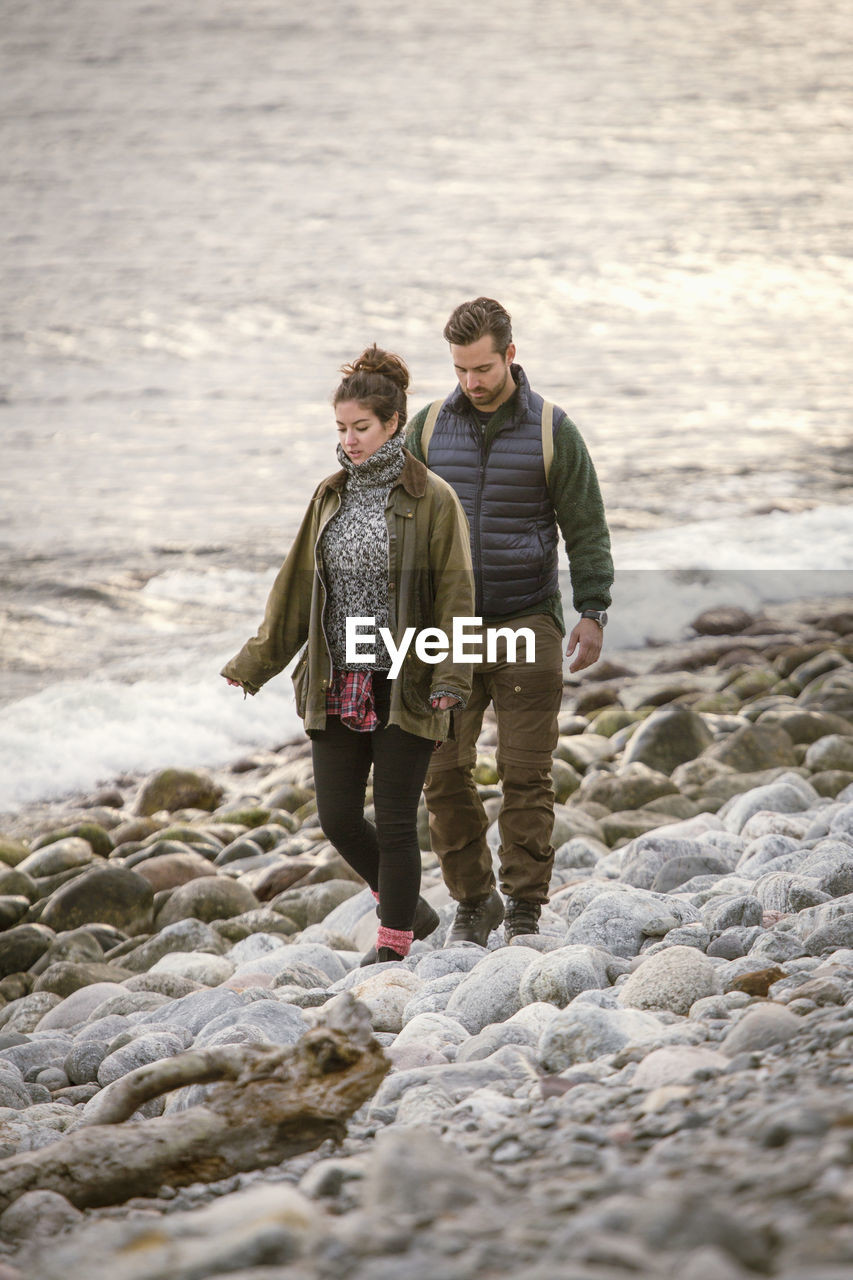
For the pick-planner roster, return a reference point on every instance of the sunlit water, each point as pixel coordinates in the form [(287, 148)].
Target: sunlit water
[(208, 208)]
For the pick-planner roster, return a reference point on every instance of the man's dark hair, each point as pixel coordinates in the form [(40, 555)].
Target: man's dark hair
[(473, 320)]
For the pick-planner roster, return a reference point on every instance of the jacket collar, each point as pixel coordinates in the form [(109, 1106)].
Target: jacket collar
[(413, 478)]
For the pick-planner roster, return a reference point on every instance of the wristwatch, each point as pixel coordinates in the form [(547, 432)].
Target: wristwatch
[(597, 615)]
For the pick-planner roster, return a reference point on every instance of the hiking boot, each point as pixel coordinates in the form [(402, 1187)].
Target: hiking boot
[(426, 921), (387, 953), (521, 917), (475, 920)]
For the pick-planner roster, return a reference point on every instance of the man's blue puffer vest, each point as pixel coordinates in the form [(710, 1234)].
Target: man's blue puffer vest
[(505, 497)]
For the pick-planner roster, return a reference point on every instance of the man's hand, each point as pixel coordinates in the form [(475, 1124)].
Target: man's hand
[(587, 638), (444, 703)]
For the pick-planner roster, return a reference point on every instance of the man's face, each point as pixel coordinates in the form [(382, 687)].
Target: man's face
[(483, 373)]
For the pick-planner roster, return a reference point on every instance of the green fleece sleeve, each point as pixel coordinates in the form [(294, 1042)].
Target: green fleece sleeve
[(579, 509), (414, 429)]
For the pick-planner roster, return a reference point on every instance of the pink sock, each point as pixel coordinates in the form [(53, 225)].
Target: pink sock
[(399, 940)]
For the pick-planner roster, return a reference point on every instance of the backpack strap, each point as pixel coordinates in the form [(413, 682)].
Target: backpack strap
[(547, 436), (429, 426)]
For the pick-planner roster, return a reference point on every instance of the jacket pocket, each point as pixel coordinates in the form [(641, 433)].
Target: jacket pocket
[(300, 682), (417, 680)]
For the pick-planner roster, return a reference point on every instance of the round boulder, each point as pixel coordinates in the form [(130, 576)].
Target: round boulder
[(206, 899), (62, 855), (584, 1032), (670, 736), (835, 751), (558, 976), (172, 789), (490, 992), (724, 620), (672, 979), (170, 870), (631, 788), (754, 747), (23, 946), (38, 1214), (105, 894)]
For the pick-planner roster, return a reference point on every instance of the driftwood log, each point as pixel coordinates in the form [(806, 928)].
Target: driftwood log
[(271, 1103)]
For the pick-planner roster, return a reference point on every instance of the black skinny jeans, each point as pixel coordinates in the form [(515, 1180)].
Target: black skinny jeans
[(387, 854)]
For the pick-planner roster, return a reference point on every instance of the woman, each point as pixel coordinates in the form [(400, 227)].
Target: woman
[(382, 539)]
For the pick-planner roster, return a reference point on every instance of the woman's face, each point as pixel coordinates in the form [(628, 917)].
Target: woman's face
[(360, 431)]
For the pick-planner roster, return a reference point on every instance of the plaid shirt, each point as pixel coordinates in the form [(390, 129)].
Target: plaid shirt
[(350, 696)]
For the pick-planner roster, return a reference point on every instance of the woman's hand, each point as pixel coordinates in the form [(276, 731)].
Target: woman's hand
[(444, 703)]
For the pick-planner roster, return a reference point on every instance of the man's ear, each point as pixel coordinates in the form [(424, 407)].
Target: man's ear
[(510, 353)]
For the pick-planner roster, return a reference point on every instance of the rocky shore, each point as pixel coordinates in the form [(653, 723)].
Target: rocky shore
[(656, 1085)]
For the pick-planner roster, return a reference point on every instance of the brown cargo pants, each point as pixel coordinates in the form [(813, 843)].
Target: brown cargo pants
[(526, 699)]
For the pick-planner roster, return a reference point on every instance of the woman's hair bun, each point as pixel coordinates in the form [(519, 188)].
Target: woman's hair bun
[(375, 360)]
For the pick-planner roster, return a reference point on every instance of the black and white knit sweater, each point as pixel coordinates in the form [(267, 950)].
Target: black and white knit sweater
[(354, 549)]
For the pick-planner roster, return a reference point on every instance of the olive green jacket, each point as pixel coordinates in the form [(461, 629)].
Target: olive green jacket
[(430, 582)]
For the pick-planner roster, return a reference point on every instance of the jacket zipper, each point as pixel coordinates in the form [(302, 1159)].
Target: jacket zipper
[(478, 548)]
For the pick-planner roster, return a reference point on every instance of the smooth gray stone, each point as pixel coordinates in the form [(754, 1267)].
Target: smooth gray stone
[(740, 911), (195, 1011), (255, 946), (107, 893), (279, 962), (778, 797), (83, 1060), (830, 864), (765, 849), (673, 979), (582, 1033), (266, 1021), (668, 737), (448, 960), (345, 917), (458, 1079), (688, 935), (142, 1050), (782, 891), (734, 941), (616, 921), (62, 855), (36, 1214), (831, 936), (678, 871), (207, 898), (775, 947), (558, 976), (759, 1028), (22, 945), (491, 991), (645, 857), (80, 1005), (490, 1039), (183, 935), (433, 998), (49, 1051), (842, 823)]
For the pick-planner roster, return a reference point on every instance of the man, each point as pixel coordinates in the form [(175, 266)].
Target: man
[(492, 440)]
